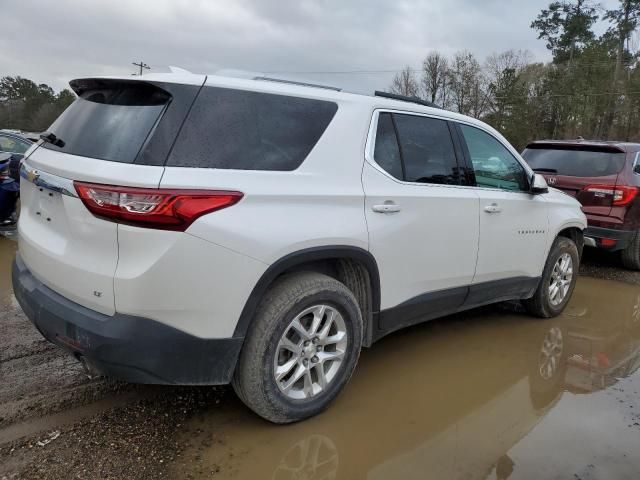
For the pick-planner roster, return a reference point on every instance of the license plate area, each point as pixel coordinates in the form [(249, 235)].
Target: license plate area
[(47, 204)]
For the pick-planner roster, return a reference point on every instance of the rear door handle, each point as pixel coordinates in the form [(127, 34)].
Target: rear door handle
[(493, 208), (386, 208)]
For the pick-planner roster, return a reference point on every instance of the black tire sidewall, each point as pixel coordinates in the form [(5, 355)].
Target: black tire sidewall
[(561, 245), (300, 409)]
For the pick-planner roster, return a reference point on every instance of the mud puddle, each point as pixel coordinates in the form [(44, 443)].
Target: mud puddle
[(492, 394), (38, 379)]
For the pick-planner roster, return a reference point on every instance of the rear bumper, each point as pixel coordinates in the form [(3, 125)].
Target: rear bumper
[(130, 348), (619, 238)]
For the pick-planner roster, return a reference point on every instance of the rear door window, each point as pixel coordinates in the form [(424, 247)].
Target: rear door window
[(574, 163), (110, 123), (427, 150), (237, 129)]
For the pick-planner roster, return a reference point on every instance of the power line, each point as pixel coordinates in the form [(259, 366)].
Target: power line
[(419, 69), (560, 95)]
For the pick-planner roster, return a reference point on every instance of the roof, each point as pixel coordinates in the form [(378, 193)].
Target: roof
[(577, 144), (256, 82)]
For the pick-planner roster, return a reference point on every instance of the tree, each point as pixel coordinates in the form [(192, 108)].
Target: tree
[(25, 105), (405, 83), (434, 77), (625, 21), (467, 85), (566, 27)]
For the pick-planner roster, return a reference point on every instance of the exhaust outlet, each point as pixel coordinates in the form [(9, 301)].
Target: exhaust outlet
[(90, 371)]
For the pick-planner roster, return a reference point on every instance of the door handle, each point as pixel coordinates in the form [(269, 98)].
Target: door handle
[(386, 208), (493, 208)]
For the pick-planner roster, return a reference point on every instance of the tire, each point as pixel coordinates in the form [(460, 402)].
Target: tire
[(541, 304), (254, 379), (631, 254)]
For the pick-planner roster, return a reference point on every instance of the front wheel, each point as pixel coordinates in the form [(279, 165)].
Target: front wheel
[(558, 280), (301, 349)]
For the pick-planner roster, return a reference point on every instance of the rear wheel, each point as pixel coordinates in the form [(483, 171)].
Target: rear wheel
[(631, 254), (558, 280), (302, 348)]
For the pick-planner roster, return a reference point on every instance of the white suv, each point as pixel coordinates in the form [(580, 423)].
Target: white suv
[(188, 229)]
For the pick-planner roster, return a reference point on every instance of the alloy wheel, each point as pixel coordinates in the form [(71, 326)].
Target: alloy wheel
[(310, 352)]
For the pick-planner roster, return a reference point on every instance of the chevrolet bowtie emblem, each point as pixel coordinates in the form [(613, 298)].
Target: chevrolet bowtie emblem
[(33, 175)]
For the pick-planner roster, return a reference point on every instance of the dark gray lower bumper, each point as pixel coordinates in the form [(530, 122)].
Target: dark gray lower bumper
[(130, 348), (622, 237)]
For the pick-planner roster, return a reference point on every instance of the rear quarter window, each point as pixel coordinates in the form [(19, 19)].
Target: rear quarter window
[(574, 163), (243, 130)]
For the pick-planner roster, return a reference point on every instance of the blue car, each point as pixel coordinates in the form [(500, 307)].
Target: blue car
[(12, 149), (16, 145)]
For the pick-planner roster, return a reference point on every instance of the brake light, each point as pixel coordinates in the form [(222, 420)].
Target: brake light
[(622, 195), (164, 209)]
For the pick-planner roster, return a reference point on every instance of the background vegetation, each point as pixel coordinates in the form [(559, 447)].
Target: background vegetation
[(27, 106), (591, 88)]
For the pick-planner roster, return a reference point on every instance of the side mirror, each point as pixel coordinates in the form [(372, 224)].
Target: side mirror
[(538, 184)]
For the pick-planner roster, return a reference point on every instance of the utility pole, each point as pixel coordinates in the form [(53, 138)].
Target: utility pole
[(141, 65)]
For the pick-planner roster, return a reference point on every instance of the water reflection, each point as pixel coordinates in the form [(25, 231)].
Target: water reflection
[(490, 394)]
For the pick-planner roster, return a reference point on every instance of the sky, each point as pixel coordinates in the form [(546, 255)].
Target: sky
[(54, 41)]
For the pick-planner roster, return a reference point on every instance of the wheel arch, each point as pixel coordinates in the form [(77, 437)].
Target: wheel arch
[(574, 233), (343, 262)]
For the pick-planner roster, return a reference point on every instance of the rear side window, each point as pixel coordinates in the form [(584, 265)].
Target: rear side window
[(574, 163), (236, 129), (387, 152), (427, 150), (110, 123)]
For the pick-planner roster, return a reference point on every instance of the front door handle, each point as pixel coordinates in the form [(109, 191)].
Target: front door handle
[(493, 208), (386, 208)]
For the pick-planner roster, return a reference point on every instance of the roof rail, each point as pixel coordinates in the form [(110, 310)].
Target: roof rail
[(405, 98), (294, 82)]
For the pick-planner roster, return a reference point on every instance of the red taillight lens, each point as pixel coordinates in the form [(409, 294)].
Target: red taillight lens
[(165, 209), (621, 195)]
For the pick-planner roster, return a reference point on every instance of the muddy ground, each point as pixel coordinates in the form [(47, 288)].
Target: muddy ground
[(455, 398)]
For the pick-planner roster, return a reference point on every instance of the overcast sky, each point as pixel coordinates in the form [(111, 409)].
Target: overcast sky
[(55, 41)]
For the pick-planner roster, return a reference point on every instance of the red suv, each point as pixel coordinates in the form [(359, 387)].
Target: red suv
[(604, 177)]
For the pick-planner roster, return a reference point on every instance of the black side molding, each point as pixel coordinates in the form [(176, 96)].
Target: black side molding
[(440, 303)]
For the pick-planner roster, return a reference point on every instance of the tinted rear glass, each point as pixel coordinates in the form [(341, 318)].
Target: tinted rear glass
[(236, 129), (427, 150), (110, 123), (574, 163)]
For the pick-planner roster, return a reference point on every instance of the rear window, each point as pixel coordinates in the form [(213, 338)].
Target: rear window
[(109, 123), (574, 163), (236, 129)]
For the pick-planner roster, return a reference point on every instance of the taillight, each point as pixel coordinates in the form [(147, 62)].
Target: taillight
[(621, 195), (164, 209)]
